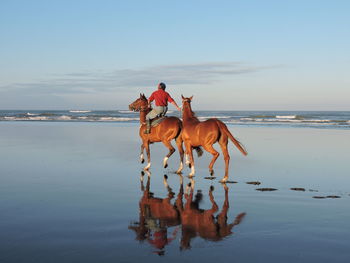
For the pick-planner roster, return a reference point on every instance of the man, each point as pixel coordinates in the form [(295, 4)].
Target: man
[(161, 98)]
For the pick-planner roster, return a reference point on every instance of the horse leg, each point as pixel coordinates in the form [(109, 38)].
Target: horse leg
[(188, 160), (165, 181), (190, 186), (223, 144), (181, 152), (142, 160), (188, 163), (171, 151), (146, 145), (209, 148), (189, 153)]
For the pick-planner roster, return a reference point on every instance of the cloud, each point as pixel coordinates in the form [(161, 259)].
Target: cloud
[(126, 79)]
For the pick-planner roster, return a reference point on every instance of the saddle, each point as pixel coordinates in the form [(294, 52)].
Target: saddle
[(157, 120)]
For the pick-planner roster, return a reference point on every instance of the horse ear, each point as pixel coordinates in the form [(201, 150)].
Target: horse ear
[(182, 97), (143, 95), (191, 98), (140, 95)]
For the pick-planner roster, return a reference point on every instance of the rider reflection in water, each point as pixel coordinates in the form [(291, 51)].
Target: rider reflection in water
[(161, 98), (158, 214)]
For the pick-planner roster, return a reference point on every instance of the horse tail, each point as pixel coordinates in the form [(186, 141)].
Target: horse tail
[(178, 135), (225, 130)]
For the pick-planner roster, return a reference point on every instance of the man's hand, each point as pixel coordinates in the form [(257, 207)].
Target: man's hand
[(177, 107)]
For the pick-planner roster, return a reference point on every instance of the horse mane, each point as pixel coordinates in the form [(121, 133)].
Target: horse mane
[(194, 115), (145, 98)]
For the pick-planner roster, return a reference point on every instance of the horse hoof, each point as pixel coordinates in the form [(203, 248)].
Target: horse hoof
[(166, 165), (142, 160), (189, 165), (211, 188), (212, 173)]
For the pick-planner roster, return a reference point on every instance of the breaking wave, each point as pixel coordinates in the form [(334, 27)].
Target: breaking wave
[(245, 118)]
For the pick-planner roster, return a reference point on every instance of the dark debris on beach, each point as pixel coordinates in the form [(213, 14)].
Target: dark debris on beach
[(266, 189), (231, 182), (210, 177), (297, 189), (328, 196)]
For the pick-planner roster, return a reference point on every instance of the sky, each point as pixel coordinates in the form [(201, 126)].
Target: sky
[(230, 55)]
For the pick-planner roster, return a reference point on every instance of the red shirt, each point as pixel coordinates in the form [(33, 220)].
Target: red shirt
[(161, 97)]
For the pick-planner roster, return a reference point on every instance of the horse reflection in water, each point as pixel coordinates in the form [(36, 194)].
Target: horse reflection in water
[(204, 223), (158, 214)]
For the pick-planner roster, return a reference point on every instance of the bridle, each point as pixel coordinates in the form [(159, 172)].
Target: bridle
[(187, 105)]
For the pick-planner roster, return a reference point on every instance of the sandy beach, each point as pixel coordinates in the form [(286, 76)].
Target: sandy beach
[(71, 192)]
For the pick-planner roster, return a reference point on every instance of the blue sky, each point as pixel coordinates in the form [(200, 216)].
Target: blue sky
[(231, 55)]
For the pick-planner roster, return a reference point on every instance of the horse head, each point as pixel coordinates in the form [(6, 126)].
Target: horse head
[(186, 105), (139, 104)]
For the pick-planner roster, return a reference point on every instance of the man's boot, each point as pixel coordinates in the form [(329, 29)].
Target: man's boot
[(148, 127)]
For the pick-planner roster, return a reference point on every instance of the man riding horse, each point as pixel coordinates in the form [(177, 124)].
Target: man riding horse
[(161, 98)]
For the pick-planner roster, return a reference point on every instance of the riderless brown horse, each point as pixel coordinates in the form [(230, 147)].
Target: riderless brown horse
[(196, 133), (167, 130)]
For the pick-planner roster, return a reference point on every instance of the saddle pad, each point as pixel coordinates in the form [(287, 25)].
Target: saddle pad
[(156, 121)]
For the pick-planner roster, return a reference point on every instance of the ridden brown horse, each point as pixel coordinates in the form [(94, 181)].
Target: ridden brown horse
[(170, 128), (196, 133), (167, 130)]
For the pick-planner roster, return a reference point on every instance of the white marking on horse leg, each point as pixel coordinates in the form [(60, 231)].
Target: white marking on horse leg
[(165, 182), (187, 159), (141, 157), (192, 171), (180, 168), (181, 180), (223, 180), (187, 191), (148, 166), (165, 161), (192, 184)]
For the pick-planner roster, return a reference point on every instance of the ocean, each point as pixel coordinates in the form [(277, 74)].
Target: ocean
[(299, 119)]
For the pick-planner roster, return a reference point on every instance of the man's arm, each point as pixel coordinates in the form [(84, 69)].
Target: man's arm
[(174, 103)]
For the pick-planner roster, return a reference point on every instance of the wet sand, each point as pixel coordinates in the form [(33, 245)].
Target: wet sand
[(71, 192)]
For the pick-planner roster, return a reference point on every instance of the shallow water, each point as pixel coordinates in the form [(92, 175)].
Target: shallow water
[(71, 192)]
